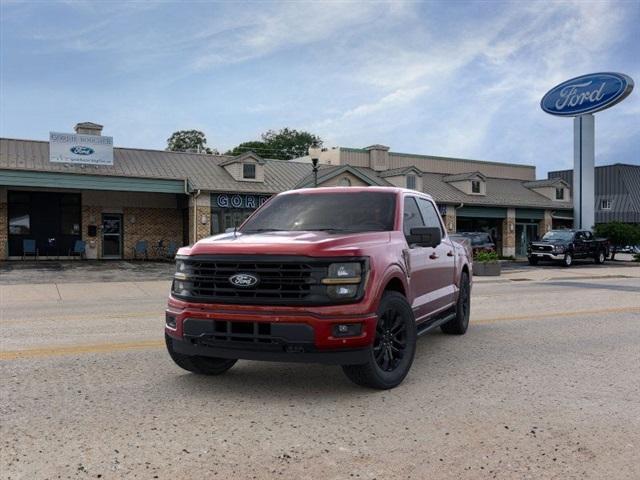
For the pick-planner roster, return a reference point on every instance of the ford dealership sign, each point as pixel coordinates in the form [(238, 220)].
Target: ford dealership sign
[(80, 149), (587, 94)]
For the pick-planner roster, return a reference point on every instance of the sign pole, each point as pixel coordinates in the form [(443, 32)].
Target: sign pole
[(583, 171)]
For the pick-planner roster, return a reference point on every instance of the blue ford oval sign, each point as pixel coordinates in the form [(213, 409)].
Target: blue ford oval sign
[(79, 150), (587, 94)]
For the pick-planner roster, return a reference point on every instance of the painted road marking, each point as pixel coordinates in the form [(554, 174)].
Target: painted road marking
[(118, 347)]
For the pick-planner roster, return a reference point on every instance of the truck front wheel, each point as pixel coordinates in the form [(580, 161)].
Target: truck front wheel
[(393, 348), (197, 364), (600, 257)]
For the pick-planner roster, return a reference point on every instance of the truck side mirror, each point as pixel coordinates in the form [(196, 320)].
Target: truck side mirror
[(425, 236)]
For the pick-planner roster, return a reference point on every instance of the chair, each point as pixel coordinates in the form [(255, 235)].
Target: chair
[(172, 249), (141, 248), (29, 248), (79, 248), (158, 249)]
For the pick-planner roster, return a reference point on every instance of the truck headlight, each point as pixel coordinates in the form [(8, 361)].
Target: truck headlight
[(559, 248), (343, 279), (181, 287)]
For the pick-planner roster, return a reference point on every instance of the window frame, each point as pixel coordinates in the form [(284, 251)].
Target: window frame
[(411, 178), (479, 184), (437, 217), (404, 210), (244, 171), (608, 204), (559, 193)]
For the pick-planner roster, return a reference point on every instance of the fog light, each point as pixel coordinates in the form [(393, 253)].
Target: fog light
[(347, 330), (170, 321), (342, 291)]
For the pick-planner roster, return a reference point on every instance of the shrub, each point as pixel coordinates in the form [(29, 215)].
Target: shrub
[(486, 257)]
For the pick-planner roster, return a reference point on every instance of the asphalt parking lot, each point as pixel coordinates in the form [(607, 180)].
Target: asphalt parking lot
[(544, 385)]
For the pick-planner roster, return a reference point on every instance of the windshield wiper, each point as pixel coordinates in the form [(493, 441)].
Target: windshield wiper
[(262, 230)]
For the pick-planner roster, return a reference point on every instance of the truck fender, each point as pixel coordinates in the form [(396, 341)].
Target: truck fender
[(396, 275)]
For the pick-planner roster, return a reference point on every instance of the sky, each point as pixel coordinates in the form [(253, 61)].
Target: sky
[(446, 78)]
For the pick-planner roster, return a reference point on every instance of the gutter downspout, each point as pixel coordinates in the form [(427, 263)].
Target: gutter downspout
[(195, 196)]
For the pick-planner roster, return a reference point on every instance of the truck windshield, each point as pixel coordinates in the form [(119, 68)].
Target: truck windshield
[(558, 235), (339, 212)]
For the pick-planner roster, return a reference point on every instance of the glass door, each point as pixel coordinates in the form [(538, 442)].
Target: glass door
[(111, 235), (525, 233)]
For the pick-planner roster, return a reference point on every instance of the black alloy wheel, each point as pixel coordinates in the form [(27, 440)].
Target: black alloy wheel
[(391, 340), (393, 348)]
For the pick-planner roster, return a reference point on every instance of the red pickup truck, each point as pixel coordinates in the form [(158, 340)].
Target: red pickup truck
[(348, 276)]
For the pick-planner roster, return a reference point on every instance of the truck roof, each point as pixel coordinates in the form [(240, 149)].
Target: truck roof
[(396, 190)]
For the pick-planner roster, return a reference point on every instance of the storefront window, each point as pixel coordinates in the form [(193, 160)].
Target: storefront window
[(19, 220)]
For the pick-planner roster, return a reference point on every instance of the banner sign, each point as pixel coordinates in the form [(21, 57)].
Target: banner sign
[(238, 200), (587, 94), (80, 149)]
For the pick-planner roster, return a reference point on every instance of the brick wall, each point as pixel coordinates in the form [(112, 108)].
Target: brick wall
[(509, 233), (152, 225)]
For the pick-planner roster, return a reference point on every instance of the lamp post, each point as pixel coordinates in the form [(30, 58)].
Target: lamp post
[(314, 153)]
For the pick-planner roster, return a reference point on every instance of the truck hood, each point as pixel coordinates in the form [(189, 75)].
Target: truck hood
[(288, 243)]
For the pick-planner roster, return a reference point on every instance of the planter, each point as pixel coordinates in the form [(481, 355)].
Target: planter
[(486, 269)]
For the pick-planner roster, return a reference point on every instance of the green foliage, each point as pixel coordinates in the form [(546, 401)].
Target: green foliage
[(259, 148), (188, 141), (284, 144), (483, 257), (619, 234)]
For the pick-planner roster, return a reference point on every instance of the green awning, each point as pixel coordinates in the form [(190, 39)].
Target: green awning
[(28, 178), (530, 213), (482, 212)]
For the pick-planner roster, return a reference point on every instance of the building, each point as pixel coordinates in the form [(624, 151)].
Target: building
[(617, 192), (172, 197)]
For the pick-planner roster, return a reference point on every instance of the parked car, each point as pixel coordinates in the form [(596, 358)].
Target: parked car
[(348, 276), (480, 241), (566, 245)]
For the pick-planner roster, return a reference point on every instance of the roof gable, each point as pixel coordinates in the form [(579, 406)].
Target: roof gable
[(459, 177), (248, 155)]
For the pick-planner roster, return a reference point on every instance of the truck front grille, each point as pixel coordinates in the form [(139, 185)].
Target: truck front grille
[(280, 280)]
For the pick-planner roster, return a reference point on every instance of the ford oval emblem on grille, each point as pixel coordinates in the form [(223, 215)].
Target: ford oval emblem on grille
[(243, 280)]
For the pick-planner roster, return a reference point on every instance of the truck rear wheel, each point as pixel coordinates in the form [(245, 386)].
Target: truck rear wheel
[(393, 348), (197, 364), (459, 324)]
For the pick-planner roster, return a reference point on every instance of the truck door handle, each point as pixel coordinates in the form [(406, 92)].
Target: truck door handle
[(450, 253), (433, 256)]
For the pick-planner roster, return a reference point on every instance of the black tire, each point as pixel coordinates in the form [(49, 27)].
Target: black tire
[(600, 257), (393, 348), (567, 261), (197, 364), (532, 260), (459, 324)]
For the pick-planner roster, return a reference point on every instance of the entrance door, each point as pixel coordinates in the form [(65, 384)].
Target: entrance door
[(525, 233), (111, 235)]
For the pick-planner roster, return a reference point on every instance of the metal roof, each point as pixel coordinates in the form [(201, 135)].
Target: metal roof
[(201, 170), (463, 176)]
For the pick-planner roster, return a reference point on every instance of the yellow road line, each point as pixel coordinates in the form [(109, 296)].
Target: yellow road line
[(557, 314), (93, 316), (119, 347), (79, 349)]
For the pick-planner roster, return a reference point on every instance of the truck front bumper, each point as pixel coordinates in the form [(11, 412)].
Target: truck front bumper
[(269, 333), (547, 256)]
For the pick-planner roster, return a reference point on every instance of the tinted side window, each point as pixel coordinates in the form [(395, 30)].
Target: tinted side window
[(429, 214), (412, 217)]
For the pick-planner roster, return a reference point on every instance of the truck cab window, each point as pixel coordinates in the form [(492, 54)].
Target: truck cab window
[(412, 217), (429, 214)]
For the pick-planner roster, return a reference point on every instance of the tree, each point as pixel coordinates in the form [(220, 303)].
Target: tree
[(284, 144), (188, 141), (257, 147), (619, 234)]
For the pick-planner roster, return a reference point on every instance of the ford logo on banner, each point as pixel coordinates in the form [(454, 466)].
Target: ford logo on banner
[(79, 150), (587, 94)]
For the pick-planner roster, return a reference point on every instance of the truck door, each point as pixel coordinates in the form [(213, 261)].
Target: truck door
[(441, 260), (580, 245), (419, 279)]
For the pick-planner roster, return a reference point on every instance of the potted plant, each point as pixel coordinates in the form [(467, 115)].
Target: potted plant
[(486, 264)]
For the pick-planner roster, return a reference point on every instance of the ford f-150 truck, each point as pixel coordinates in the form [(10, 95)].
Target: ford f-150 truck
[(566, 245), (348, 276)]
